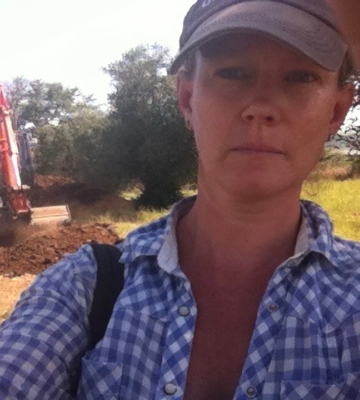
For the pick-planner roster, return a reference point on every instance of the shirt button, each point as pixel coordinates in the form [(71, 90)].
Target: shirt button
[(188, 336), (272, 307), (251, 392), (170, 389), (184, 311)]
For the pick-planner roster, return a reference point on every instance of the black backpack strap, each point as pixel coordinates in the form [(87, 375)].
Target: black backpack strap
[(109, 284)]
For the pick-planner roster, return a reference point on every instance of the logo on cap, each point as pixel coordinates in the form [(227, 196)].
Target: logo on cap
[(206, 3)]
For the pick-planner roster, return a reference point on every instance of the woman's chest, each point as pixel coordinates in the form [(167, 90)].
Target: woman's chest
[(150, 355), (218, 352)]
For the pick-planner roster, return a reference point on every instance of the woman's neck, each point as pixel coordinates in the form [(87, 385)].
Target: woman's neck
[(240, 234)]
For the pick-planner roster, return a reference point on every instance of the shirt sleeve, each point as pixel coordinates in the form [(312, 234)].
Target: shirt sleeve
[(43, 341)]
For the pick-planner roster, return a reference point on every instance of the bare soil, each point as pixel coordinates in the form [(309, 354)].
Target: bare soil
[(25, 250)]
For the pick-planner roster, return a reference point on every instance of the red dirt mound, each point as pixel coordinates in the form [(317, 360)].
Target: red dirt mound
[(28, 249), (35, 250)]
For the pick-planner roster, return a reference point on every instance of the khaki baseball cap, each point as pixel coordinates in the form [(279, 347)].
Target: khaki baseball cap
[(308, 26)]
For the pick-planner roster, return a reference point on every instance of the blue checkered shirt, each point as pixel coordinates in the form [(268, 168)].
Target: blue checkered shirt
[(305, 344)]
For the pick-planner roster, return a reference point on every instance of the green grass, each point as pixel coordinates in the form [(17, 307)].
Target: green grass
[(117, 210), (123, 222), (143, 216), (327, 187), (341, 199), (131, 193)]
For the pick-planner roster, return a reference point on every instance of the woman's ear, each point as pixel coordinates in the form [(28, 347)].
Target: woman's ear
[(345, 98), (184, 87)]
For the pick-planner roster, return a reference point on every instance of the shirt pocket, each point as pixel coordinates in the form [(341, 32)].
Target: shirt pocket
[(99, 380), (347, 390)]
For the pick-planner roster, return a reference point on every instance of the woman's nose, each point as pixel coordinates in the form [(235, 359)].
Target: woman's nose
[(260, 113)]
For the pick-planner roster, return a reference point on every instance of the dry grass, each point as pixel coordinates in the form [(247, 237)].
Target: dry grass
[(10, 291), (143, 216), (335, 185), (341, 199), (332, 167), (331, 172)]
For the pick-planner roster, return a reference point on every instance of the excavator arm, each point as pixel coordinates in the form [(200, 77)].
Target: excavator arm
[(13, 194), (13, 191)]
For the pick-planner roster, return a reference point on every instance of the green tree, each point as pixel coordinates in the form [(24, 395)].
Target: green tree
[(73, 147), (146, 140), (42, 102), (16, 93), (67, 124)]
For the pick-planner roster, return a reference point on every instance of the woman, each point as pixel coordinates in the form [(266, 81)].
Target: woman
[(243, 291)]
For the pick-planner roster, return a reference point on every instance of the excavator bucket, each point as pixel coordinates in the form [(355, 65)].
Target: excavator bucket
[(50, 215)]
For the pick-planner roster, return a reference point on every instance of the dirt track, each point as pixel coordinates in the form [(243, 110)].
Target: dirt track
[(26, 251)]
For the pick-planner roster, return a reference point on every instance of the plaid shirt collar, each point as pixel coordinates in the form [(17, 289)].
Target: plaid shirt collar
[(315, 235), (319, 230)]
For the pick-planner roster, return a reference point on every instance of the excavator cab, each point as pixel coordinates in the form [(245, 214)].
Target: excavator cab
[(13, 194)]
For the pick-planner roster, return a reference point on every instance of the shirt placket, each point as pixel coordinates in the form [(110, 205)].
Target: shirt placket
[(271, 314), (179, 337)]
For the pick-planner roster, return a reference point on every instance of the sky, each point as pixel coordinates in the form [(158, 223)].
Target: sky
[(69, 41)]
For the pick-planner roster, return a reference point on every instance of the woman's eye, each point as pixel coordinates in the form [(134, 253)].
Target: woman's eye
[(233, 74), (301, 77)]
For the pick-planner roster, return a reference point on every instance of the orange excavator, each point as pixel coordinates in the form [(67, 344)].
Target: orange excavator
[(13, 194)]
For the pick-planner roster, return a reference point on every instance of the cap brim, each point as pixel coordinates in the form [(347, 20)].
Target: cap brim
[(292, 26)]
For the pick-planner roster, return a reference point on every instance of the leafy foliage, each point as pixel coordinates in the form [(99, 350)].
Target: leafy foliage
[(72, 148), (67, 124), (42, 103), (146, 140), (348, 136), (141, 140)]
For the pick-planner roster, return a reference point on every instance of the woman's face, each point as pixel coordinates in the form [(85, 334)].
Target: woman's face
[(261, 113)]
